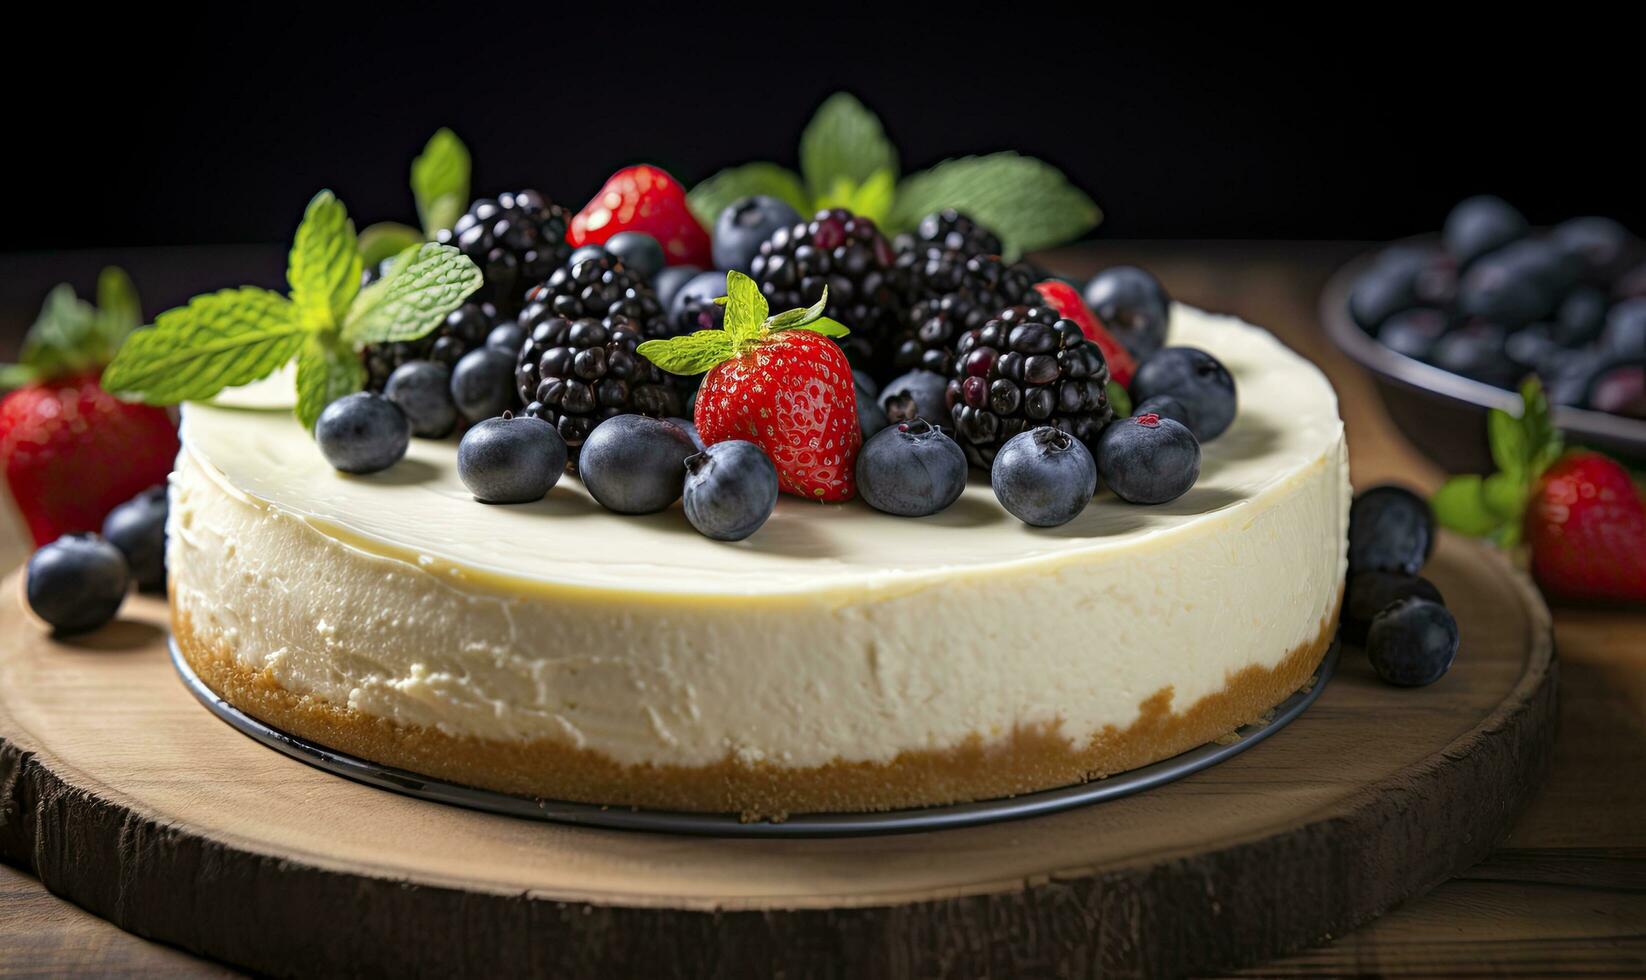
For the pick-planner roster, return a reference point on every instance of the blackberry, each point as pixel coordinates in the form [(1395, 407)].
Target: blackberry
[(955, 232), (951, 293), (576, 373), (516, 239), (463, 330), (594, 288), (1024, 369), (848, 254)]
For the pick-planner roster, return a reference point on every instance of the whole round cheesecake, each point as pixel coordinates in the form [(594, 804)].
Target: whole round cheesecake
[(839, 660)]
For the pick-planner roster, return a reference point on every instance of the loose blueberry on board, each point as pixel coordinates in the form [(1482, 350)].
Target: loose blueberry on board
[(1147, 459), (1413, 642), (1044, 477), (1413, 332), (1195, 378), (730, 490), (138, 528), (631, 464), (642, 253), (77, 583), (1479, 225), (1476, 351), (690, 428), (422, 390), (918, 394), (1165, 406), (912, 469), (362, 433), (668, 282), (744, 225), (1369, 593), (1580, 317), (870, 419), (510, 459), (1601, 247), (482, 384), (507, 337), (1391, 529), (584, 253), (1132, 305)]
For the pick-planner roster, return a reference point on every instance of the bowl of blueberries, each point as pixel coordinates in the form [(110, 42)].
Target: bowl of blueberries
[(1449, 325)]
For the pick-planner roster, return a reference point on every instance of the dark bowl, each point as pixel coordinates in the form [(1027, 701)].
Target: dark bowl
[(1444, 414)]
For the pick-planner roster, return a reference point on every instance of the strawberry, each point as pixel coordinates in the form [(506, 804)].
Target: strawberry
[(644, 198), (778, 382), (71, 451), (1065, 299), (1587, 529)]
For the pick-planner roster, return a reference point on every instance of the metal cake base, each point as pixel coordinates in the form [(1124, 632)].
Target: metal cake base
[(726, 825)]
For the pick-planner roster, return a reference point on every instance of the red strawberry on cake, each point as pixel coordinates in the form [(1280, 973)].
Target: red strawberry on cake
[(1065, 299), (646, 199)]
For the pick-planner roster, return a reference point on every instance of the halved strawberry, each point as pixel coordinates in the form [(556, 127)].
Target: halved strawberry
[(1065, 299), (644, 198)]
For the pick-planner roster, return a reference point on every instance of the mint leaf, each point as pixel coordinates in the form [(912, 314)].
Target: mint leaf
[(844, 140), (217, 341), (799, 318), (1028, 203), (118, 309), (1507, 438), (691, 354), (426, 283), (385, 240), (327, 369), (746, 308), (440, 182), (1119, 399), (59, 342), (714, 195), (871, 199), (1460, 504), (824, 326), (324, 267)]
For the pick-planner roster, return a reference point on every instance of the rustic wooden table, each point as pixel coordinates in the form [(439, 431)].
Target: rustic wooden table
[(1565, 894)]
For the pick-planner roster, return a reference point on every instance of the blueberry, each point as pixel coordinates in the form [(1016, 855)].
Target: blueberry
[(1580, 317), (690, 428), (1413, 642), (507, 337), (730, 490), (918, 394), (870, 419), (669, 281), (1530, 348), (1507, 287), (1479, 225), (1476, 351), (1195, 378), (1164, 406), (1390, 530), (510, 459), (1147, 459), (1413, 332), (1132, 305), (1387, 287), (1620, 387), (422, 390), (1625, 331), (1044, 477), (865, 385), (642, 253), (631, 464), (1369, 593), (77, 583), (911, 469), (700, 293), (138, 528), (744, 225), (362, 433), (1601, 246), (584, 253), (483, 383)]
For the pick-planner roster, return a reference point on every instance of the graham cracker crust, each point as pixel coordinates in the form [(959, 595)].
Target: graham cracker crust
[(1030, 759)]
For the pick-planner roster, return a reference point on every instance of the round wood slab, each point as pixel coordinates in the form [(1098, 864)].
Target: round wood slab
[(126, 796)]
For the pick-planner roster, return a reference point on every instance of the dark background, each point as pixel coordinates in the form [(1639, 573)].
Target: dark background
[(219, 127)]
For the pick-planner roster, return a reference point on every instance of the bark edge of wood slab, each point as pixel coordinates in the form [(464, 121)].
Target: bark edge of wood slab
[(125, 796)]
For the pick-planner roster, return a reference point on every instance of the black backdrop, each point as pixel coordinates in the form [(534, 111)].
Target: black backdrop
[(218, 127)]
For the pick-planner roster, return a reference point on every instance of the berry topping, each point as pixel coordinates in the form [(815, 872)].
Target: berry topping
[(730, 491), (464, 329), (1044, 477), (1391, 529), (633, 464), (516, 240), (953, 231), (693, 306), (1413, 642), (1197, 380), (1132, 305), (77, 583), (1065, 299), (362, 433), (669, 282), (744, 225), (1147, 459), (920, 394), (642, 253), (482, 384), (138, 528), (644, 198), (911, 469), (423, 391), (510, 459), (593, 287), (953, 292)]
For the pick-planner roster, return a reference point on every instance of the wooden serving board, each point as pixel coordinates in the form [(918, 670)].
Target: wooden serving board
[(126, 796)]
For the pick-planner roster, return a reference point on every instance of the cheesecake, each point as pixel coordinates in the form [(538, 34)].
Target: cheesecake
[(839, 660)]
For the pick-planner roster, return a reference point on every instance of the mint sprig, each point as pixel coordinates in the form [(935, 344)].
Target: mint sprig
[(846, 160), (70, 335), (747, 325), (1523, 447), (236, 336), (440, 178)]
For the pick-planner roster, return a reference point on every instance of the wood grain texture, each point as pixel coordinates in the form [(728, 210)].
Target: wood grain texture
[(122, 794)]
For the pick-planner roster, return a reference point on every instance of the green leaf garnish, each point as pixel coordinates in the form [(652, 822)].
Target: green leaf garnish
[(746, 327), (385, 240), (217, 341), (327, 369), (440, 182), (324, 267), (844, 140), (1523, 447), (720, 191), (427, 282), (118, 309), (71, 336), (1028, 203), (1119, 399)]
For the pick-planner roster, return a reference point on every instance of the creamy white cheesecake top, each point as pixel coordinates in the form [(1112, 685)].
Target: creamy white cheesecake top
[(835, 632)]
